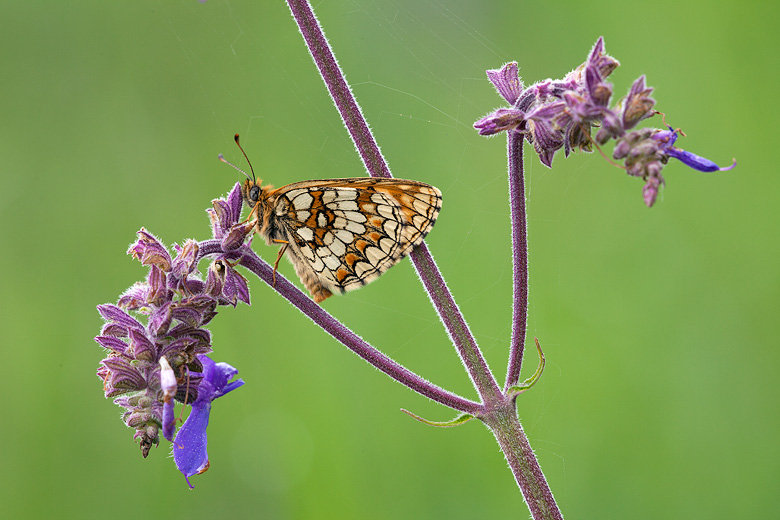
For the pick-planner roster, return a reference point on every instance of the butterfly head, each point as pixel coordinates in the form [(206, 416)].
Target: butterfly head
[(255, 195), (253, 192)]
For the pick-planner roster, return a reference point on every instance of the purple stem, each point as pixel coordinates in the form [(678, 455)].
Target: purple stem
[(336, 329), (376, 165), (497, 411), (331, 73), (456, 325), (521, 459), (519, 256)]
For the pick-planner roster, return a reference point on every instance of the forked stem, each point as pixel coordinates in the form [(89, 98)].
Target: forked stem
[(376, 165), (497, 410)]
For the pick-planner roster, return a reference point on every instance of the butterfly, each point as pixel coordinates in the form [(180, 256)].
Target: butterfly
[(341, 234)]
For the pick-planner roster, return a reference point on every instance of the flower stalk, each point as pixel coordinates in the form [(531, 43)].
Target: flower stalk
[(519, 257)]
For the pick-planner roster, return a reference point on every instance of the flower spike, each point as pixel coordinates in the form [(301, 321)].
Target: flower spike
[(144, 356), (560, 114)]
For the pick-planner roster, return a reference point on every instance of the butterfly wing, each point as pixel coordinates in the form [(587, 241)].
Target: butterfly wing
[(344, 233)]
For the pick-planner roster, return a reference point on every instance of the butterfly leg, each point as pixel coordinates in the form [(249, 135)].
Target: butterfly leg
[(279, 256)]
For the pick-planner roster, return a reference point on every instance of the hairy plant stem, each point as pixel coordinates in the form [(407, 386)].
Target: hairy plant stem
[(497, 410), (519, 256), (338, 330), (505, 425), (339, 90), (376, 165)]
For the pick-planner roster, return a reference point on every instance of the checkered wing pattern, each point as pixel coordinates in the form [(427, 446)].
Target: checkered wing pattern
[(341, 234)]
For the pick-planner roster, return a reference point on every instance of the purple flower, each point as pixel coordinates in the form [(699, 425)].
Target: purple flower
[(169, 386), (553, 114), (560, 114), (499, 121), (666, 141), (144, 356), (226, 212), (189, 447), (507, 82), (638, 104), (646, 152)]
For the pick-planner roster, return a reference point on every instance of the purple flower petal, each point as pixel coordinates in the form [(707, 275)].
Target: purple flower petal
[(226, 212), (160, 319), (235, 201), (184, 263), (650, 191), (599, 91), (114, 344), (638, 104), (116, 315), (169, 386), (236, 287), (604, 63), (215, 279), (157, 290), (237, 235), (218, 215), (189, 447), (667, 139), (120, 377), (546, 141), (696, 161), (150, 251), (500, 120), (135, 297), (507, 81), (142, 348)]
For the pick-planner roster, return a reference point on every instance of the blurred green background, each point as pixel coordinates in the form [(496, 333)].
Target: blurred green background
[(660, 395)]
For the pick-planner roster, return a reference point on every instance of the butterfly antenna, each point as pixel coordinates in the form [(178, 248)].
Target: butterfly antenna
[(238, 143), (222, 158)]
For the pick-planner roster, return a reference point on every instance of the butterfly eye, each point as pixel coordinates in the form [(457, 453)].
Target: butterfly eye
[(254, 194)]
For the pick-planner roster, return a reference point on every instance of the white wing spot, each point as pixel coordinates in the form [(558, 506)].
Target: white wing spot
[(317, 264), (361, 268), (339, 223), (345, 236), (332, 195), (387, 245), (308, 253), (301, 200), (337, 247), (421, 207), (306, 233), (331, 262), (346, 205), (355, 227), (374, 255), (385, 210), (391, 227), (355, 216), (322, 219)]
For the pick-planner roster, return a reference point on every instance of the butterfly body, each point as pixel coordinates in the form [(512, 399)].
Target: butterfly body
[(341, 234)]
